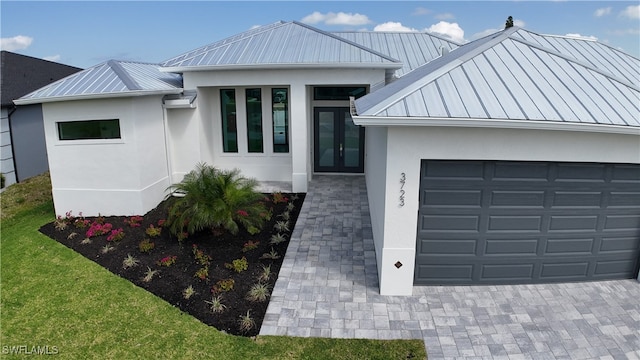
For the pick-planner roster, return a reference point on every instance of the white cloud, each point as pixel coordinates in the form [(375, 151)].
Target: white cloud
[(519, 23), (52, 57), (445, 16), (602, 12), (19, 42), (393, 26), (632, 12), (484, 33), (421, 11), (452, 31), (340, 18), (578, 36)]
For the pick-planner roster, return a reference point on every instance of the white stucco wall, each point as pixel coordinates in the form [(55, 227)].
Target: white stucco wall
[(407, 146), (124, 176), (296, 166)]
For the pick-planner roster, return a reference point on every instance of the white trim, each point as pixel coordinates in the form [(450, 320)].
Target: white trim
[(494, 123), (96, 96), (283, 66)]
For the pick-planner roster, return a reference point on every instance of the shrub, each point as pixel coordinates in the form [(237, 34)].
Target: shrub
[(153, 231), (116, 235), (216, 304), (167, 260), (238, 265), (270, 255), (281, 226), (146, 245), (202, 273), (98, 228), (250, 245), (278, 198), (246, 322), (265, 274), (215, 199), (188, 292), (129, 261), (107, 248), (277, 239), (134, 221), (259, 292), (223, 286), (149, 274), (201, 257)]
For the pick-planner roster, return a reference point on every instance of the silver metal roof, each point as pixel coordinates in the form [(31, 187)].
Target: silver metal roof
[(413, 49), (281, 44), (112, 78), (507, 76)]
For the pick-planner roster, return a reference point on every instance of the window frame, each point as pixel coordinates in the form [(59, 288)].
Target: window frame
[(84, 140), (274, 90), (224, 121)]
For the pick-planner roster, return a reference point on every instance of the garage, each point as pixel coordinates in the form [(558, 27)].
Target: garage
[(508, 222)]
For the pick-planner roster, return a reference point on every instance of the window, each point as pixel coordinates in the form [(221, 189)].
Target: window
[(338, 93), (229, 128), (89, 130), (254, 120), (280, 120)]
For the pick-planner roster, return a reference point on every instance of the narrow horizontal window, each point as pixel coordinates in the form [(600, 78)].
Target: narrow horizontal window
[(229, 126), (338, 93), (280, 120), (89, 130)]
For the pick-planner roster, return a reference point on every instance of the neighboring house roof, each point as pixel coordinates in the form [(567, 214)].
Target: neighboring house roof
[(413, 49), (281, 45), (110, 79), (21, 74), (505, 77)]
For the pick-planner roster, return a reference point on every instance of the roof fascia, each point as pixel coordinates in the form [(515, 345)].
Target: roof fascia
[(285, 66), (493, 123), (97, 96)]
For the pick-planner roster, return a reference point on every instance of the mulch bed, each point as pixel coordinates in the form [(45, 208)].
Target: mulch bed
[(170, 281)]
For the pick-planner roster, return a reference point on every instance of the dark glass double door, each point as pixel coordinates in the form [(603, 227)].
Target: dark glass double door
[(338, 142)]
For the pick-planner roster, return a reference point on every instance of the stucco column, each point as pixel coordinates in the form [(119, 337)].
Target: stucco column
[(299, 137)]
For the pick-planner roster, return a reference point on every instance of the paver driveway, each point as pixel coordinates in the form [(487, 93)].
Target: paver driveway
[(328, 287)]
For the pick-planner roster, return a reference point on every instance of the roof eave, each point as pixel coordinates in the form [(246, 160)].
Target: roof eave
[(386, 121), (286, 66), (96, 96)]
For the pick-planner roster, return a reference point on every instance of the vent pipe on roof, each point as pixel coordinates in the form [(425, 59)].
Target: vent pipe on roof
[(444, 50)]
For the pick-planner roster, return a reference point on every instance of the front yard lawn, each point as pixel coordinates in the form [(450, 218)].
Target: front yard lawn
[(52, 296)]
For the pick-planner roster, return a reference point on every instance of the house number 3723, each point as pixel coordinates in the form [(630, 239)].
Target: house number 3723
[(403, 179)]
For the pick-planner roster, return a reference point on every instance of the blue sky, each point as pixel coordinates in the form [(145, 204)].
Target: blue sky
[(86, 33)]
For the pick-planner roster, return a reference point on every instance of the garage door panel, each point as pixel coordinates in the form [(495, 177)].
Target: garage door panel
[(520, 199), (584, 246), (527, 222), (585, 223), (510, 247)]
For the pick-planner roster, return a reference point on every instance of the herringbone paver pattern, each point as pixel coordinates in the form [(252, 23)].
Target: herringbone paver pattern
[(328, 287)]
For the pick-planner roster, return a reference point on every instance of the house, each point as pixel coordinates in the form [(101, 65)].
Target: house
[(22, 144), (511, 159)]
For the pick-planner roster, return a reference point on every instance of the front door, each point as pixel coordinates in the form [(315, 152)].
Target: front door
[(339, 143)]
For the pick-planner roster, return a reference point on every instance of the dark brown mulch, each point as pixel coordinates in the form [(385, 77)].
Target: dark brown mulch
[(170, 281)]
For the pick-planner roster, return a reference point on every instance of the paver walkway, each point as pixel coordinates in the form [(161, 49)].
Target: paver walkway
[(328, 287)]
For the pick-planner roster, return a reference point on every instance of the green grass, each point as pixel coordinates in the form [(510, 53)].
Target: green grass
[(53, 296)]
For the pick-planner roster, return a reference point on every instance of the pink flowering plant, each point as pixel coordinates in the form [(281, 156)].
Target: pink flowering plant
[(167, 260), (134, 221), (153, 231), (98, 229), (116, 235)]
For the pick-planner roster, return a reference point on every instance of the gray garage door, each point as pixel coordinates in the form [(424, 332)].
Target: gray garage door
[(497, 222)]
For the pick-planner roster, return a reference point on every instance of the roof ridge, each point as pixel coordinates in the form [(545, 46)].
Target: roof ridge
[(399, 32), (122, 73), (576, 61), (432, 70)]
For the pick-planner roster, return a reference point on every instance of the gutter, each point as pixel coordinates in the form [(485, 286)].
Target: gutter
[(29, 101), (284, 66), (387, 121)]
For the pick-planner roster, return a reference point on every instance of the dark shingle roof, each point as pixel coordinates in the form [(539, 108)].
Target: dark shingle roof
[(22, 74)]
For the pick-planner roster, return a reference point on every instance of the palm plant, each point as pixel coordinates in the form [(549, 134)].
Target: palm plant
[(213, 199)]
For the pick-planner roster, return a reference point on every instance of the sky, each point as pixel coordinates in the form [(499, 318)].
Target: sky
[(87, 33)]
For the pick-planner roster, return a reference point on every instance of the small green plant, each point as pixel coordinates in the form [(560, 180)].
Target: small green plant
[(81, 223), (277, 239), (238, 265), (85, 241), (223, 286), (146, 245), (153, 231), (60, 224), (266, 215), (258, 292), (281, 226), (168, 260), (291, 206), (250, 245), (285, 216), (273, 255), (201, 257), (149, 274), (294, 197), (278, 198), (216, 304), (134, 221), (202, 273), (129, 262), (72, 236), (246, 322), (188, 292), (265, 274), (107, 248)]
